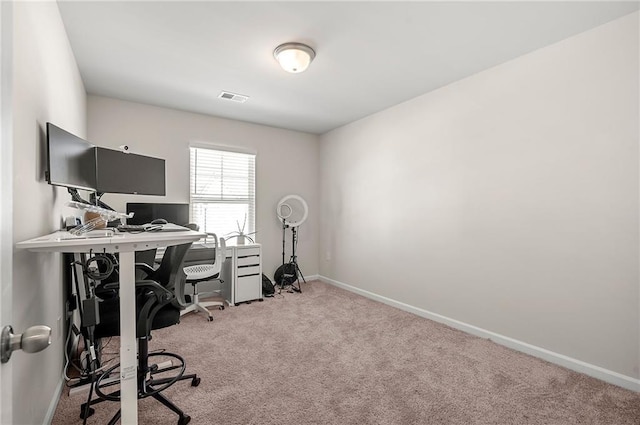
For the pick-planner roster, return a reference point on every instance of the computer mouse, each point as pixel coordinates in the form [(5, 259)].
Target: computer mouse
[(159, 221)]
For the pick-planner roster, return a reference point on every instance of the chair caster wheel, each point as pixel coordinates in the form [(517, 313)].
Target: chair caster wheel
[(221, 307), (195, 382), (91, 412), (261, 299), (184, 420), (210, 319)]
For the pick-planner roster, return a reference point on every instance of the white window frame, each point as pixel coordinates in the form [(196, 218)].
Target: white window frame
[(222, 197)]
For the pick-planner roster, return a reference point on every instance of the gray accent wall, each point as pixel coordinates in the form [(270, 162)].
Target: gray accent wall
[(507, 200), (46, 87)]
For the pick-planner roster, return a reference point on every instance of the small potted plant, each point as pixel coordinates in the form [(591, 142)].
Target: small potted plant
[(240, 235)]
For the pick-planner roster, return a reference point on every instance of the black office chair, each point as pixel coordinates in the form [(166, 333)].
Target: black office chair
[(159, 299)]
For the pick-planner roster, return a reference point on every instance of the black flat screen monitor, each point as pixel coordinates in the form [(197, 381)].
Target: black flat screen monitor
[(119, 172), (70, 160), (147, 212)]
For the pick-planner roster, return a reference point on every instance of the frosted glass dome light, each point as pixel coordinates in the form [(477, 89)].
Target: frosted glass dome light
[(294, 57)]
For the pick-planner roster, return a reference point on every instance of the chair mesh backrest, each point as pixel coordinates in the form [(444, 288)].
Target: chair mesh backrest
[(170, 271), (204, 262), (221, 253)]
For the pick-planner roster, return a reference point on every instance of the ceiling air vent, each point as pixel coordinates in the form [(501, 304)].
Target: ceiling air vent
[(240, 98)]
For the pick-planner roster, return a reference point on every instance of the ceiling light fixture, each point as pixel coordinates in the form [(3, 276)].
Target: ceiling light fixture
[(294, 57)]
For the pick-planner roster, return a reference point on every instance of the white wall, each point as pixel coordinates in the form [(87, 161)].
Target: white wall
[(6, 194), (286, 162), (47, 87), (507, 200)]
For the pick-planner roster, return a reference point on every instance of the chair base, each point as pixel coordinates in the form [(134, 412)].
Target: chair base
[(198, 305), (182, 419), (148, 386)]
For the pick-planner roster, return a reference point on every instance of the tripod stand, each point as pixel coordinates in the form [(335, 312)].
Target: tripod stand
[(290, 272)]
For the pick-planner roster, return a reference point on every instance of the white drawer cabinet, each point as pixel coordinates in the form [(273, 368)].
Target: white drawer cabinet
[(242, 273)]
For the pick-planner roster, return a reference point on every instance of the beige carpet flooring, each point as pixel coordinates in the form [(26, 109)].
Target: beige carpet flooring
[(328, 356)]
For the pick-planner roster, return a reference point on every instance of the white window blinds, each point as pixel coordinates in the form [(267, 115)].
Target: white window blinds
[(222, 191)]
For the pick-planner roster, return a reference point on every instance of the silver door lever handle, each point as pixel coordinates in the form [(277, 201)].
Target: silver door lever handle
[(34, 339)]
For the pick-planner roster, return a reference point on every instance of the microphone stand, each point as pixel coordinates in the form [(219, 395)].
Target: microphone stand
[(290, 269), (294, 261), (283, 278)]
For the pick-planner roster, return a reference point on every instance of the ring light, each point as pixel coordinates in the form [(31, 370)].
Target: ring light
[(298, 218), (281, 215)]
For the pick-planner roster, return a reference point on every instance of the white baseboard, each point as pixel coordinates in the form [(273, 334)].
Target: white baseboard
[(54, 403), (312, 277), (594, 371)]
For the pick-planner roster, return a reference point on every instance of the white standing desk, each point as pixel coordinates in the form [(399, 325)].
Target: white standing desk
[(125, 244)]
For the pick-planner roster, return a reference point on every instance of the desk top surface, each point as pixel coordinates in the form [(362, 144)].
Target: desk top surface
[(108, 240)]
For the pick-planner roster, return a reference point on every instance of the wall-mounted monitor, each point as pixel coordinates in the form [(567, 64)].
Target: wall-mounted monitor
[(70, 160), (146, 212), (119, 172)]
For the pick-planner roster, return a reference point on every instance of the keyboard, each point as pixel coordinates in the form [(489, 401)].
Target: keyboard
[(138, 228), (132, 228)]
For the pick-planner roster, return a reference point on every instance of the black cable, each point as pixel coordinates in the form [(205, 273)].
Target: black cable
[(107, 260), (105, 345), (95, 273), (67, 357), (92, 372), (87, 407)]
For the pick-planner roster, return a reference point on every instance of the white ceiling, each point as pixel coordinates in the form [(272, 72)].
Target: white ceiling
[(370, 55)]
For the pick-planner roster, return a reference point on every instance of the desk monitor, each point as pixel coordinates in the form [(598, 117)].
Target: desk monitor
[(70, 160), (147, 212), (119, 172)]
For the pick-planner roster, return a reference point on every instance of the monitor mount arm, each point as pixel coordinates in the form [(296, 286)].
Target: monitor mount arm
[(75, 196), (94, 199)]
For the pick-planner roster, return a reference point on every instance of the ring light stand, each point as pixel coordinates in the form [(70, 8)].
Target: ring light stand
[(290, 272)]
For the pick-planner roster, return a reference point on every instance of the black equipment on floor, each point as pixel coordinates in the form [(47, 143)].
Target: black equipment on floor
[(267, 286)]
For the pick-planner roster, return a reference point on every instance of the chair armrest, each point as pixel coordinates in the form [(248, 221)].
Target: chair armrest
[(215, 239), (111, 285), (180, 297), (163, 294), (145, 268)]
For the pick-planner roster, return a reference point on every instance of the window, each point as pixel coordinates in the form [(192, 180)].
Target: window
[(222, 191)]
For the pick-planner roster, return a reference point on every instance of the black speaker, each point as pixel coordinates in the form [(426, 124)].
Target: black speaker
[(285, 274)]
